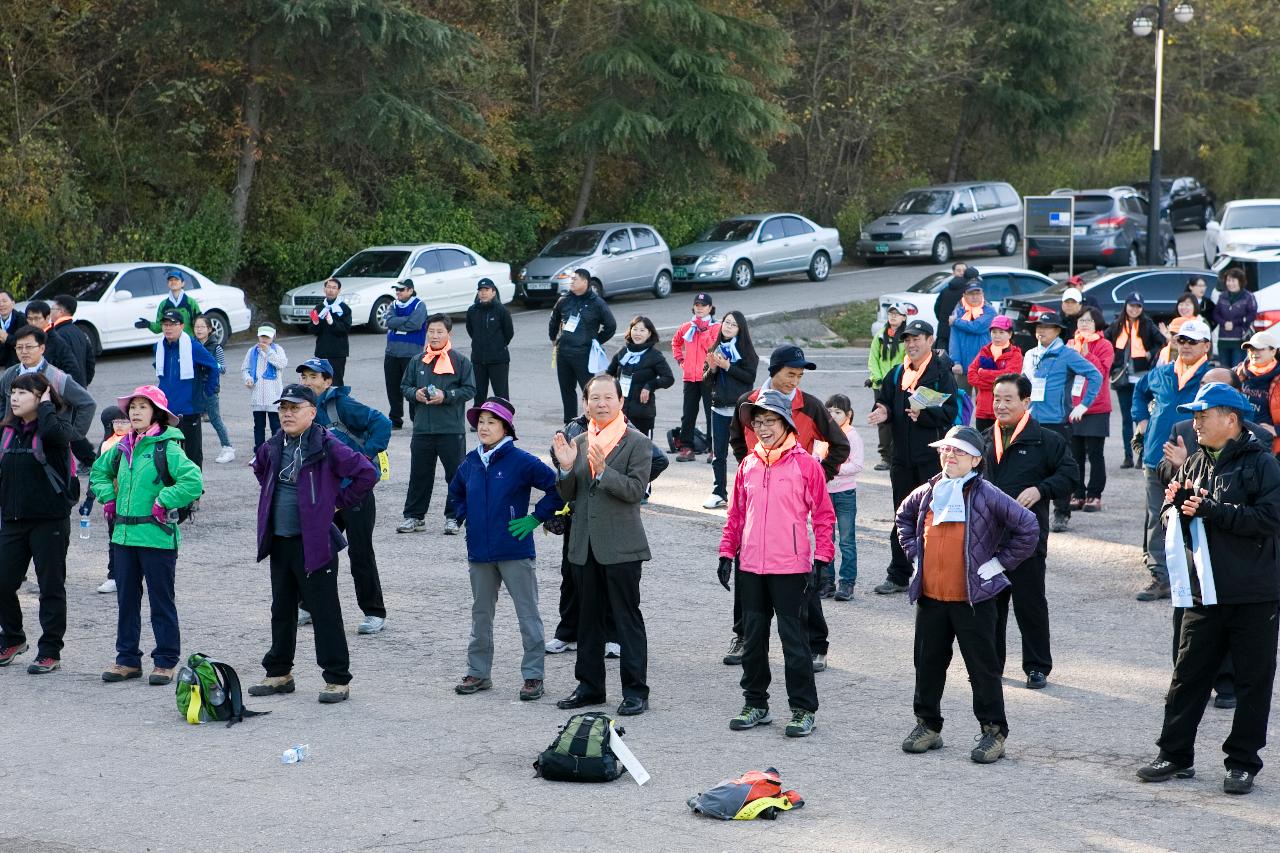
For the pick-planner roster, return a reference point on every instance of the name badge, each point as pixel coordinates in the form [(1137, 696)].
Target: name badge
[(625, 382), (1037, 389), (571, 325), (1077, 387)]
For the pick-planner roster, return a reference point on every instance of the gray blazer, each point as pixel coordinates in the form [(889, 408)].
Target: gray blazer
[(606, 512)]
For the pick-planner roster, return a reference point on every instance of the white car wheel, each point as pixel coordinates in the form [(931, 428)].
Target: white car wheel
[(378, 317), (219, 327)]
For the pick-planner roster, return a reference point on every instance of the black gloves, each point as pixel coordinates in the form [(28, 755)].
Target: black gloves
[(141, 324), (820, 567), (866, 383), (725, 571)]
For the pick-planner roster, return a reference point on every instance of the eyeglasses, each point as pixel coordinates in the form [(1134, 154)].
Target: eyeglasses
[(26, 347), (757, 423)]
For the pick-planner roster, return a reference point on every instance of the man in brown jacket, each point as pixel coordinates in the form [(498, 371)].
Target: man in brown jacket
[(605, 472)]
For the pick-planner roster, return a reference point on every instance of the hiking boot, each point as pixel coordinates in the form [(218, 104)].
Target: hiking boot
[(1127, 463), (227, 454), (990, 745), (304, 617), (819, 663), (685, 455), (470, 684), (412, 525), (8, 653), (108, 587), (1160, 770), (802, 723), (1077, 504), (333, 693), (117, 672), (714, 502), (272, 685), (372, 625), (531, 690), (450, 527), (160, 676), (557, 646), (889, 587), (40, 666), (1237, 782), (734, 655), (1036, 680), (922, 739), (826, 588), (882, 465), (844, 592), (749, 718), (1061, 522), (1093, 504), (612, 651), (1153, 591)]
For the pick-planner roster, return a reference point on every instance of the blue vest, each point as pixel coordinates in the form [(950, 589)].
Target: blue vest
[(417, 336)]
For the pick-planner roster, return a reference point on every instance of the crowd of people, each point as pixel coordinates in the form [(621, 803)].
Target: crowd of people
[(989, 450)]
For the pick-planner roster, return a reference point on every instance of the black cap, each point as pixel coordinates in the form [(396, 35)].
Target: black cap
[(171, 316), (484, 282), (406, 284), (917, 327), (1051, 318), (970, 272), (297, 393), (1134, 298), (789, 355), (703, 299)]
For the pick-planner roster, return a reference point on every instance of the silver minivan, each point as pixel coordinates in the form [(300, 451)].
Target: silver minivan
[(934, 223), (621, 257)]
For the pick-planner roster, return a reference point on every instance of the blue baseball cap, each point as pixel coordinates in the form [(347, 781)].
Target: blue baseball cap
[(1217, 394), (317, 365), (172, 273)]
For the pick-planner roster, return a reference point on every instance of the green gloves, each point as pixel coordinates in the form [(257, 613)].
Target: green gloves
[(522, 527)]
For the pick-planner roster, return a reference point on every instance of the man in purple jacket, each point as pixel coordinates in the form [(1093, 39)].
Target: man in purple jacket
[(306, 475)]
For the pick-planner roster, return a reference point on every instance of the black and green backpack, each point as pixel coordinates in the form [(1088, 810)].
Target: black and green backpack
[(160, 458), (208, 691), (580, 752)]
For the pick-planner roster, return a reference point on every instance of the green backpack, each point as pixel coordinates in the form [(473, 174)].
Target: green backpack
[(581, 753), (209, 690)]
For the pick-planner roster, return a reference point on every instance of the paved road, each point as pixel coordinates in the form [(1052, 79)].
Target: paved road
[(408, 765)]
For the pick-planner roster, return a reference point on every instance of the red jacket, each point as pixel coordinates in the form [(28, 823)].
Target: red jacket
[(813, 423), (692, 355), (1101, 354), (983, 379)]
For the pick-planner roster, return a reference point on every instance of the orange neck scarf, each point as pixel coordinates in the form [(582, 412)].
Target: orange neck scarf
[(997, 435), (1080, 343), (973, 312), (444, 364), (997, 351), (1260, 370), (911, 374), (605, 437), (1185, 372), (1129, 336), (770, 455)]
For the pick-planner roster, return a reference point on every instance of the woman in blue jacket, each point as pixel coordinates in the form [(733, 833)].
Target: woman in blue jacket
[(491, 490), (970, 330)]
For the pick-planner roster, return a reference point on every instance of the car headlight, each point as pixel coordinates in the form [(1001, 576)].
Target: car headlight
[(1240, 247), (524, 271), (918, 234), (353, 299), (564, 275), (713, 258), (864, 236)]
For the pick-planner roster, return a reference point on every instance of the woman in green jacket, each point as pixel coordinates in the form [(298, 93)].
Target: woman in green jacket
[(128, 482), (886, 354)]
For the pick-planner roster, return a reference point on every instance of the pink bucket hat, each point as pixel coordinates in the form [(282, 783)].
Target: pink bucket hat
[(151, 394), (1002, 322), (498, 407)]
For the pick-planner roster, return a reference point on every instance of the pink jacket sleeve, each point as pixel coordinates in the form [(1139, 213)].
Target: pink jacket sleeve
[(821, 512), (731, 538)]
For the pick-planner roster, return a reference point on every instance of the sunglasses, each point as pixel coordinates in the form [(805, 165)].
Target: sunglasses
[(1182, 339)]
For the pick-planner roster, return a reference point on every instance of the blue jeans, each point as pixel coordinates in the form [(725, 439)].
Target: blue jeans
[(846, 506), (1124, 396), (1230, 353), (214, 410), (720, 447)]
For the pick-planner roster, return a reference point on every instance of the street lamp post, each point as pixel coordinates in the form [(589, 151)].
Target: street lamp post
[(1146, 21)]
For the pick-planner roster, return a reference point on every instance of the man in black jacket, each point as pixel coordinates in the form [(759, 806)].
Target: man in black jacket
[(580, 317), (914, 428), (10, 322), (1225, 503), (331, 324), (1033, 466), (56, 350), (489, 327), (948, 299), (62, 326)]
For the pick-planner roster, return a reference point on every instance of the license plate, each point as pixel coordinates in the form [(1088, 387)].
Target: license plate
[(1080, 230), (680, 272), (537, 285), (882, 247), (300, 312), (1012, 313)]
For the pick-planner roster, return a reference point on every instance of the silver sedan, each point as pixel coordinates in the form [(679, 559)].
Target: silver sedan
[(758, 246)]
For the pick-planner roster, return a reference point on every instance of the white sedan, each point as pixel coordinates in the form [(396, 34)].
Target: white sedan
[(1247, 225), (998, 284), (111, 298), (444, 277)]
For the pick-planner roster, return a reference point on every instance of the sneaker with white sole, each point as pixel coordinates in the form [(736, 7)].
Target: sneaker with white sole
[(227, 454), (450, 527), (372, 625), (612, 650), (108, 587), (557, 646), (412, 525), (714, 502)]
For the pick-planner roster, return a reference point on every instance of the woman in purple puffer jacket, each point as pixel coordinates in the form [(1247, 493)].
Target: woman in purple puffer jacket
[(962, 534)]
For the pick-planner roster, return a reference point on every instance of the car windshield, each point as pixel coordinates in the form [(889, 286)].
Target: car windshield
[(373, 264), (930, 284), (573, 244), (1252, 217), (84, 285), (923, 201), (1093, 205), (730, 231)]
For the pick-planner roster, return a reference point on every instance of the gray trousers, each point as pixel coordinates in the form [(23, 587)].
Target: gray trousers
[(1153, 538), (522, 583)]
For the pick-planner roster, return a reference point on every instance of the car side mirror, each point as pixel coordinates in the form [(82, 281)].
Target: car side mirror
[(959, 209), (607, 250), (418, 271), (122, 295)]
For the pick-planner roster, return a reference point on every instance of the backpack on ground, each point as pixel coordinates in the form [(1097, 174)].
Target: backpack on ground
[(754, 794), (580, 752), (70, 489), (160, 457), (208, 691), (700, 443)]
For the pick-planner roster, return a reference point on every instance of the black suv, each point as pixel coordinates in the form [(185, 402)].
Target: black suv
[(1110, 231)]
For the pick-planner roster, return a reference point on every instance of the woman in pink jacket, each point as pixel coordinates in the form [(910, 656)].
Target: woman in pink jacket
[(1089, 434), (779, 489)]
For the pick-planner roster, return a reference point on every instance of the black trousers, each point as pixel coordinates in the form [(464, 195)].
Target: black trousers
[(572, 374), (1225, 683), (43, 541), (567, 628), (884, 441), (289, 584), (193, 438), (1062, 506), (696, 395), (904, 478), (787, 597), (1090, 448), (613, 587), (358, 522), (973, 627), (339, 370), (393, 368), (1031, 610), (1248, 633), (815, 620), (495, 374), (84, 452), (424, 451)]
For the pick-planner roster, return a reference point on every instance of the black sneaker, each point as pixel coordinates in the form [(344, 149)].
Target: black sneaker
[(802, 723), (1153, 591), (734, 657), (844, 592), (1160, 770), (1127, 463), (1224, 700), (1061, 522), (1237, 782), (1036, 680), (827, 588), (889, 587)]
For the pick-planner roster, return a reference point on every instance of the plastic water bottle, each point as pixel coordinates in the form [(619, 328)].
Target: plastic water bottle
[(84, 527), (294, 754)]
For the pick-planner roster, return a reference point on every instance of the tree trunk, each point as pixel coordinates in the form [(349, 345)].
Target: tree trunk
[(957, 149), (247, 163), (584, 191)]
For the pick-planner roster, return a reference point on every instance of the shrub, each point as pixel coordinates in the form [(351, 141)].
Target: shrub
[(199, 235)]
